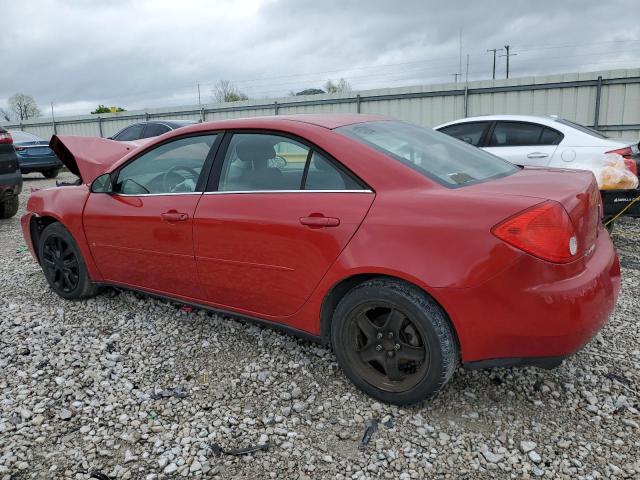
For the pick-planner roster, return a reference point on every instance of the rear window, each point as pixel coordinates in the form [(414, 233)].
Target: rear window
[(582, 128), (19, 136), (442, 158)]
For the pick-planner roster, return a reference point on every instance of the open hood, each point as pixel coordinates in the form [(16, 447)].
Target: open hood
[(89, 157)]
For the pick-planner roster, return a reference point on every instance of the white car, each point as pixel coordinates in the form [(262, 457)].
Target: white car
[(549, 141)]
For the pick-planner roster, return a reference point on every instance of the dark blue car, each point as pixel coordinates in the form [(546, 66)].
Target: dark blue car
[(34, 154)]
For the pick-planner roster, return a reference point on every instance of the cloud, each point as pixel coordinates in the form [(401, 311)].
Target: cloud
[(151, 53)]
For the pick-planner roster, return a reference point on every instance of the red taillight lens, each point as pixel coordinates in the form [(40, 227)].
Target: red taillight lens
[(544, 230), (19, 149), (6, 137), (631, 165)]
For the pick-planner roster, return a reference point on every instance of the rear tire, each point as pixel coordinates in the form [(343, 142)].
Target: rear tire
[(393, 341), (9, 207), (63, 265), (50, 173)]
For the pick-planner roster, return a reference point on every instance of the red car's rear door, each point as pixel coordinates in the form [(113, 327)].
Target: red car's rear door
[(142, 234), (262, 244)]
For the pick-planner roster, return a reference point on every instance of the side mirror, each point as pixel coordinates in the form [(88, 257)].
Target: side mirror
[(102, 184)]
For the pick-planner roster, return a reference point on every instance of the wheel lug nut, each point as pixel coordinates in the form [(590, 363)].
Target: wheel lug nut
[(390, 334), (379, 335), (378, 347), (389, 354), (396, 347)]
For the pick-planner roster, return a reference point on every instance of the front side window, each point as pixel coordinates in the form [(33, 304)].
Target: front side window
[(515, 134), (130, 133), (173, 167), (434, 154), (470, 132)]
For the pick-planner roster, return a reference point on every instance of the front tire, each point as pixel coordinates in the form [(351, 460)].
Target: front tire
[(9, 207), (53, 173), (393, 341), (63, 264)]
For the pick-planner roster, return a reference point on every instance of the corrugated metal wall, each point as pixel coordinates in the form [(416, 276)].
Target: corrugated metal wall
[(573, 96)]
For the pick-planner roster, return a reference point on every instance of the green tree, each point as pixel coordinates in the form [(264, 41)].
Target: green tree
[(102, 109)]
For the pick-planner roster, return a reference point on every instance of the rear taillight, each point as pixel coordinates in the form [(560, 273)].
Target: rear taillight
[(544, 230), (627, 154), (6, 137), (20, 149)]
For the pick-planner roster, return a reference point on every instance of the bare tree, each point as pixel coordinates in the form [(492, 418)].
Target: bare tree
[(5, 115), (23, 106), (225, 91), (341, 87)]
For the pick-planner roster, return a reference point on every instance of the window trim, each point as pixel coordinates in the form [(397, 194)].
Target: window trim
[(204, 173), (213, 182), (486, 143)]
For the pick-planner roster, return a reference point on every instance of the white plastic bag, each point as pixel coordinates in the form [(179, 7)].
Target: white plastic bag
[(613, 174)]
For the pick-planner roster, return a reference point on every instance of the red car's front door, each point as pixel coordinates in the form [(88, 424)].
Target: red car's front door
[(262, 242), (141, 234)]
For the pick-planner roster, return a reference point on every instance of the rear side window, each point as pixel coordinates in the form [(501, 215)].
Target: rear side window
[(515, 134), (550, 137), (130, 133), (324, 175), (470, 132), (436, 155), (154, 130)]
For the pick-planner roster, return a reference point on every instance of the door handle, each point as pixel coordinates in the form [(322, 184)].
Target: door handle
[(317, 221), (173, 216), (537, 155)]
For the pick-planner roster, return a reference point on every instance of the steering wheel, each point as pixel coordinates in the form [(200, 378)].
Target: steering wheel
[(165, 177)]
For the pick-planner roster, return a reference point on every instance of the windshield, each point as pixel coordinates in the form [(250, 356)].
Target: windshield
[(447, 160), (582, 128)]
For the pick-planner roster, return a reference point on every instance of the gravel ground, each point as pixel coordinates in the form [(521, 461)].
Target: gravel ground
[(134, 387)]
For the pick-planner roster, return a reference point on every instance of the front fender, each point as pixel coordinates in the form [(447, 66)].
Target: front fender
[(64, 205)]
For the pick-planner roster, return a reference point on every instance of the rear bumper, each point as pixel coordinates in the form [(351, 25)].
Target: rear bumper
[(36, 164), (10, 184), (614, 201), (534, 311)]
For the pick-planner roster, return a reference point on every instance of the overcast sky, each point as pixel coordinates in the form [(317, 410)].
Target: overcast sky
[(137, 54)]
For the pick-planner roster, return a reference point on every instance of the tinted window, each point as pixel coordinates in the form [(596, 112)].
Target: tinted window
[(470, 132), (551, 137), (435, 155), (324, 175), (130, 133), (263, 162), (170, 168), (154, 130), (515, 134)]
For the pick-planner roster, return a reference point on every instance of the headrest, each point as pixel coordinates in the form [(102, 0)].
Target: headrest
[(255, 149)]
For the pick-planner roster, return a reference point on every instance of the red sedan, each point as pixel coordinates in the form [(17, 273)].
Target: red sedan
[(406, 250)]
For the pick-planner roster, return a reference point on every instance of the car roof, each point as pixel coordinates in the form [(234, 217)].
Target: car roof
[(542, 119)]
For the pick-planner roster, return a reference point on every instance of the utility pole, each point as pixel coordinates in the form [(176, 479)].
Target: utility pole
[(460, 53), (455, 76), (466, 77), (53, 121), (494, 50), (506, 47), (198, 83)]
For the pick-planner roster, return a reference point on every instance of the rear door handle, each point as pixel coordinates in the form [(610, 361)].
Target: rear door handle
[(173, 216), (320, 221), (537, 155)]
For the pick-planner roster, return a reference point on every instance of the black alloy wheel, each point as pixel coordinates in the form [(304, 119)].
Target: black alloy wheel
[(387, 348), (60, 264)]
